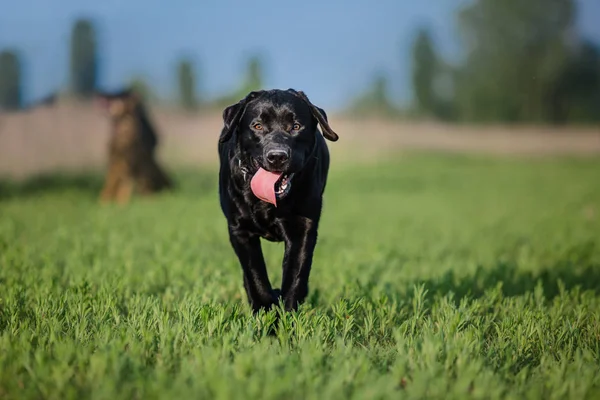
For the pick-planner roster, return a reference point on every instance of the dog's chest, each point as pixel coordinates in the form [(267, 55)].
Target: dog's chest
[(265, 221)]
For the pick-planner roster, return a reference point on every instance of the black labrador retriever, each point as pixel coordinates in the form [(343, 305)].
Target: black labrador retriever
[(273, 170)]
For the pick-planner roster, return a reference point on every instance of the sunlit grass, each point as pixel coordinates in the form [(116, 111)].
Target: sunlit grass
[(434, 277)]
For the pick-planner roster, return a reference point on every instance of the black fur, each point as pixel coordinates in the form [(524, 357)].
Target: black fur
[(243, 146)]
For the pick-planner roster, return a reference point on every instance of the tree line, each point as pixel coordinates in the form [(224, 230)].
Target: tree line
[(523, 61), (84, 73)]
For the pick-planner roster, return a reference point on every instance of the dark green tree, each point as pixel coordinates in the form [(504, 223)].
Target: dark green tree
[(516, 50), (10, 81), (187, 85), (424, 72), (84, 62), (576, 94)]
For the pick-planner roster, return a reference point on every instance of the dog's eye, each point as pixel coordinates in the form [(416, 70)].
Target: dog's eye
[(296, 127), (258, 126)]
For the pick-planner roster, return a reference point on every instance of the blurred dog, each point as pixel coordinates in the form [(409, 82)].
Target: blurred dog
[(274, 163), (132, 164)]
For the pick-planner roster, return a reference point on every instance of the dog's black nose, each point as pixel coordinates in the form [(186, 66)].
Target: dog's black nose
[(277, 158)]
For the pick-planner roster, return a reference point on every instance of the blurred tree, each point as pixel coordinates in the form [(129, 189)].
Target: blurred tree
[(424, 71), (84, 63), (253, 80), (376, 100), (254, 75), (516, 51), (380, 92), (576, 94), (143, 89), (187, 85), (10, 81)]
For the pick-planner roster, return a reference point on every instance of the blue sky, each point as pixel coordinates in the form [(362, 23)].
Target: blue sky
[(329, 48)]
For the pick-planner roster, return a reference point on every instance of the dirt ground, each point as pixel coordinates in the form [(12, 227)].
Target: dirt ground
[(74, 137)]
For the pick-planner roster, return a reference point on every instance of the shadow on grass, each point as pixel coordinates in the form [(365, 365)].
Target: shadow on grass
[(88, 184), (578, 267), (515, 281)]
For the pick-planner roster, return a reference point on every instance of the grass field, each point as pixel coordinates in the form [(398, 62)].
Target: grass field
[(434, 277)]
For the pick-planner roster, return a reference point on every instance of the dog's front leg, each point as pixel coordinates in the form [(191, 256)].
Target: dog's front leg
[(256, 280), (112, 182), (300, 242)]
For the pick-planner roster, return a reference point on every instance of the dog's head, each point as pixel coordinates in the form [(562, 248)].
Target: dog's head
[(276, 129), (118, 104)]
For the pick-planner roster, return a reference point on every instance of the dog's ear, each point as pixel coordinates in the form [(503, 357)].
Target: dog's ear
[(133, 97), (320, 116), (101, 100), (232, 115), (132, 94)]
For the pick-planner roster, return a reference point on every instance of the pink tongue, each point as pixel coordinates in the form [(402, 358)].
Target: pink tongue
[(263, 185)]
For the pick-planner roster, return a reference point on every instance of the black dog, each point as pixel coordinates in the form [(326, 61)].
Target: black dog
[(274, 131)]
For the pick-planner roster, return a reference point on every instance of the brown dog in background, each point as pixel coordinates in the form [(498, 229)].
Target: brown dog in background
[(132, 164)]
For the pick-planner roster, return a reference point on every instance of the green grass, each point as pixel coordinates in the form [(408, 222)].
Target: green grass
[(434, 277)]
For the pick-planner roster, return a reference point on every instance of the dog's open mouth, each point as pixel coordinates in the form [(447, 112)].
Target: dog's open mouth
[(283, 186), (271, 186)]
